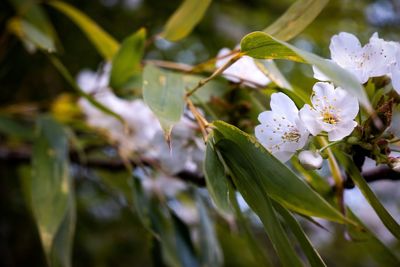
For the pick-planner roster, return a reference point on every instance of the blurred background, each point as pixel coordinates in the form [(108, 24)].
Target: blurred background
[(108, 233)]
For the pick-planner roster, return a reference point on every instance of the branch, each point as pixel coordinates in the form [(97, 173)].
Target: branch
[(23, 154), (377, 174)]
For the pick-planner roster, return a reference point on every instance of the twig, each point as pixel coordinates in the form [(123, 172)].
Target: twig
[(336, 174), (201, 121), (215, 74)]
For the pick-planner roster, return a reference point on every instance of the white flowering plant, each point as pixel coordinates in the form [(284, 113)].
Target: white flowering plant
[(208, 147)]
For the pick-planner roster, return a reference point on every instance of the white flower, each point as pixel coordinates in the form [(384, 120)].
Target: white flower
[(141, 123), (371, 60), (395, 72), (281, 130), (333, 111), (93, 82), (186, 152), (244, 70), (310, 160)]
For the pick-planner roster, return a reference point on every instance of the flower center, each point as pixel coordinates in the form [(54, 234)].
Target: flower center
[(330, 118), (292, 136)]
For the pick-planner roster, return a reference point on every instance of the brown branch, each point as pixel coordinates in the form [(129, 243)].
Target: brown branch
[(377, 174), (22, 155)]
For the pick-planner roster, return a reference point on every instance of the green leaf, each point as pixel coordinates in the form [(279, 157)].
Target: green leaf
[(35, 25), (313, 257), (216, 180), (252, 191), (104, 43), (296, 18), (163, 92), (173, 235), (210, 251), (254, 163), (126, 62), (263, 46), (372, 199), (12, 127), (245, 228), (51, 191), (371, 245), (29, 33), (184, 19), (274, 74)]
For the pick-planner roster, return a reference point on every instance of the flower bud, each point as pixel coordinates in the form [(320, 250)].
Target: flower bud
[(310, 160)]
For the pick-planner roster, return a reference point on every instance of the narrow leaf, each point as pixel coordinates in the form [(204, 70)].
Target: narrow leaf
[(263, 46), (274, 74), (29, 33), (163, 92), (126, 62), (313, 257), (51, 191), (372, 199), (371, 245), (216, 180), (210, 252), (36, 24), (260, 203), (185, 18), (12, 127), (296, 18), (104, 43), (252, 160)]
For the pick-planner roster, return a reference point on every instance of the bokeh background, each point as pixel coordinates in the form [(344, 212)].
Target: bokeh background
[(108, 233)]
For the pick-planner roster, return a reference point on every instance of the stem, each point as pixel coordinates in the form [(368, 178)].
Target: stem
[(215, 74), (201, 121), (394, 140), (329, 145), (170, 65), (336, 174)]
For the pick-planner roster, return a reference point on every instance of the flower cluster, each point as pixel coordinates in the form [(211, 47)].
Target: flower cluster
[(141, 133), (285, 129), (377, 58)]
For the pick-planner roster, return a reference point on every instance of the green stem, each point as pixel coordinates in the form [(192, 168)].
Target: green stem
[(329, 145), (215, 74), (336, 174)]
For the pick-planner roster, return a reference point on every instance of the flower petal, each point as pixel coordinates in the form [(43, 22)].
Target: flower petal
[(345, 48), (342, 130), (284, 156), (346, 104), (282, 104), (395, 74), (319, 75), (309, 117), (322, 91)]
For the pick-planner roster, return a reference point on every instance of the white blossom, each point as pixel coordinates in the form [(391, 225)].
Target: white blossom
[(310, 160), (281, 132), (143, 134), (395, 72), (333, 111), (377, 58), (244, 70), (186, 152), (141, 124)]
